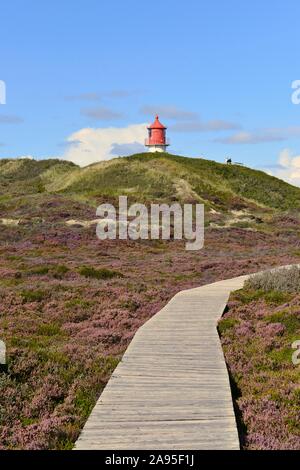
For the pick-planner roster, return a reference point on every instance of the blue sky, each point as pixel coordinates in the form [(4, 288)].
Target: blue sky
[(219, 73)]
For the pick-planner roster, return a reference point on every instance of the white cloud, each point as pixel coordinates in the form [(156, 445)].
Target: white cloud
[(94, 145), (288, 167), (284, 158)]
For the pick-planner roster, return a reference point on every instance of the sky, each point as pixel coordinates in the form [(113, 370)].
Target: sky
[(84, 78)]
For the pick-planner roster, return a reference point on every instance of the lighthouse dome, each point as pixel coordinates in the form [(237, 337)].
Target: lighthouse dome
[(157, 124)]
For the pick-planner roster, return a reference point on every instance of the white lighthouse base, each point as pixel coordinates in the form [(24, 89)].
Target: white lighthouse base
[(157, 148)]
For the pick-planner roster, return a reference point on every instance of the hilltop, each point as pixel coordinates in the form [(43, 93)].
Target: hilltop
[(150, 177)]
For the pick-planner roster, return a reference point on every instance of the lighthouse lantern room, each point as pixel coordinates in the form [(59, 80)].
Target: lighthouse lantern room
[(157, 141)]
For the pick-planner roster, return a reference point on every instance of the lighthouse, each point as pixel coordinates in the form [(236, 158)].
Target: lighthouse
[(157, 141)]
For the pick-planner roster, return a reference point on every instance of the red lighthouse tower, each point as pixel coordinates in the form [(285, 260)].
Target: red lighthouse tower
[(157, 141)]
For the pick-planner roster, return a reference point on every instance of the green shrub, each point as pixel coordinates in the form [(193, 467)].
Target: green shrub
[(59, 271), (276, 297), (226, 324), (281, 280), (130, 304), (84, 402), (49, 329), (102, 273), (280, 357), (288, 319), (247, 295), (81, 303), (33, 295), (40, 270), (241, 224)]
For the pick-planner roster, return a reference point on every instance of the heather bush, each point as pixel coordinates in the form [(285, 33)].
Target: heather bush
[(130, 304), (288, 318), (257, 332)]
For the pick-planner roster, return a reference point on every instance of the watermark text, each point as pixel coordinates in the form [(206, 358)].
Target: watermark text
[(161, 221)]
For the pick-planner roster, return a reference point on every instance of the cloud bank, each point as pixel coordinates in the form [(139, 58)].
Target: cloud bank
[(168, 112), (288, 167), (187, 121), (84, 97), (261, 136), (10, 119), (94, 96), (90, 145), (101, 113), (215, 125)]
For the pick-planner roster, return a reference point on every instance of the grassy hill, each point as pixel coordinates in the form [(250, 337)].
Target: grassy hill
[(150, 177)]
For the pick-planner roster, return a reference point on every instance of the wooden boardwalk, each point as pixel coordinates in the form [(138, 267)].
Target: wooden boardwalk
[(171, 390)]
